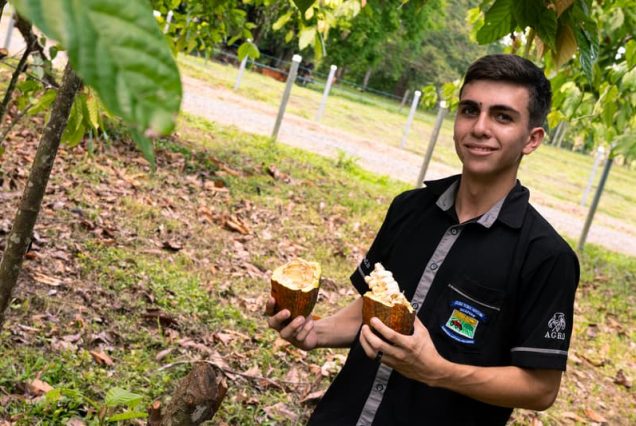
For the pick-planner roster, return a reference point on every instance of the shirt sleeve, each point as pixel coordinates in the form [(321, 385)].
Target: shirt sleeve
[(546, 308), (377, 252)]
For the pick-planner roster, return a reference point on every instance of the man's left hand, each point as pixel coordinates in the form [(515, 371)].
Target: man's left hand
[(412, 356)]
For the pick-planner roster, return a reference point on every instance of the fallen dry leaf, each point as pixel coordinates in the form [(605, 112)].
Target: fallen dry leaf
[(46, 279), (314, 396), (75, 422), (572, 416), (162, 354), (38, 387), (280, 409), (101, 358), (234, 223), (594, 416)]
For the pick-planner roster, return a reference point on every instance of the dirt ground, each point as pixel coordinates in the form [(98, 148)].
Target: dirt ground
[(224, 106)]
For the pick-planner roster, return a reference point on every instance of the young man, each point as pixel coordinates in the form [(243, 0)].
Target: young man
[(491, 280)]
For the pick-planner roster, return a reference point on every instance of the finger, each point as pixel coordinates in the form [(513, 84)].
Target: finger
[(305, 330), (385, 331), (364, 342), (289, 332), (276, 321), (270, 306)]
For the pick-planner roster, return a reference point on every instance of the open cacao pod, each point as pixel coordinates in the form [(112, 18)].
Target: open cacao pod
[(295, 287), (386, 302)]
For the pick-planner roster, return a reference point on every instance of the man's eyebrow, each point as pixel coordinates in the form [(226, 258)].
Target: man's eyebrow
[(506, 108)]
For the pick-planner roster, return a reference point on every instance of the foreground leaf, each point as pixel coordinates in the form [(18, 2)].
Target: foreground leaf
[(116, 47)]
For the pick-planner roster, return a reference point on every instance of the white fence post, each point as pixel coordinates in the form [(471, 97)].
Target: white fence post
[(166, 28), (325, 93), (241, 69), (291, 78), (7, 39), (441, 113), (240, 73), (409, 120), (600, 153)]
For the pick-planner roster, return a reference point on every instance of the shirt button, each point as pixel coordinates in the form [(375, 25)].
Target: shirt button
[(453, 231), (415, 305), (379, 387), (433, 266)]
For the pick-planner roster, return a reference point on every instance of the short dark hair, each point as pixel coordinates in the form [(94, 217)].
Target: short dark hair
[(517, 70)]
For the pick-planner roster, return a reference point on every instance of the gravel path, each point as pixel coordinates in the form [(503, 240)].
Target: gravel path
[(224, 106)]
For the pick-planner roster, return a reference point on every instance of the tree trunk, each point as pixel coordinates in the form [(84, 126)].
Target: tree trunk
[(18, 240)]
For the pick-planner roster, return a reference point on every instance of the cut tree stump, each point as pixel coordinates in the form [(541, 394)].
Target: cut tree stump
[(195, 400)]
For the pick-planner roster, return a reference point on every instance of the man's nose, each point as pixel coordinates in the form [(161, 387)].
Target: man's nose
[(481, 125)]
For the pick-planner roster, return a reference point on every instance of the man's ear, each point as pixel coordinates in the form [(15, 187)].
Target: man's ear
[(534, 140)]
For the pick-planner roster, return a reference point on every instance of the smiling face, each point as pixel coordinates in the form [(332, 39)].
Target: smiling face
[(492, 129)]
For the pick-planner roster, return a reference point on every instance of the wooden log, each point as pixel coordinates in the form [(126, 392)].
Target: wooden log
[(195, 400)]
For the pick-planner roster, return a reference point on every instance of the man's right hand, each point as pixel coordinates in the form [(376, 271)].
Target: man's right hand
[(299, 332)]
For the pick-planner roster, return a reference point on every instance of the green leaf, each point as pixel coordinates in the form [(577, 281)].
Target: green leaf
[(116, 47), (585, 33), (75, 129), (118, 396), (248, 49), (498, 22), (128, 415), (280, 22), (92, 106), (528, 13), (145, 146), (630, 53), (306, 36), (45, 101), (303, 5), (319, 47)]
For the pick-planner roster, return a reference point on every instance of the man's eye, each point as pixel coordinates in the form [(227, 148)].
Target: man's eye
[(469, 110), (504, 118)]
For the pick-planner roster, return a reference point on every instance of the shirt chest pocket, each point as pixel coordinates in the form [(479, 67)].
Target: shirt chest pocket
[(465, 316)]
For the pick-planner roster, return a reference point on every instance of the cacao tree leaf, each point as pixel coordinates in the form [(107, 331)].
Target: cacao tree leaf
[(303, 5), (44, 102), (498, 22), (527, 13), (585, 32), (145, 146), (116, 47), (565, 44), (75, 129)]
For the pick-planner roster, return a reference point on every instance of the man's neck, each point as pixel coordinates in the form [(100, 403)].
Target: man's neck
[(475, 196)]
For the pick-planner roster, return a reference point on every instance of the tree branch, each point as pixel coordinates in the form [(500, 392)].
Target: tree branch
[(26, 29), (14, 80)]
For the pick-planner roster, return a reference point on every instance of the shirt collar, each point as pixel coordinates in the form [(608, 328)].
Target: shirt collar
[(509, 210)]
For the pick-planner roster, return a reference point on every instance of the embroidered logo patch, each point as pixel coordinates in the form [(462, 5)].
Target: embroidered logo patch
[(556, 326), (463, 322)]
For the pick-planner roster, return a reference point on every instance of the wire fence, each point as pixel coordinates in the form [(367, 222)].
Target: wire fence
[(316, 80)]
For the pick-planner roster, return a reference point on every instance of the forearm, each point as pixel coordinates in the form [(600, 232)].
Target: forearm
[(340, 329), (503, 386)]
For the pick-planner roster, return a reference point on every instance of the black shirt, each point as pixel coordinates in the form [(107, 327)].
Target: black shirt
[(494, 291)]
